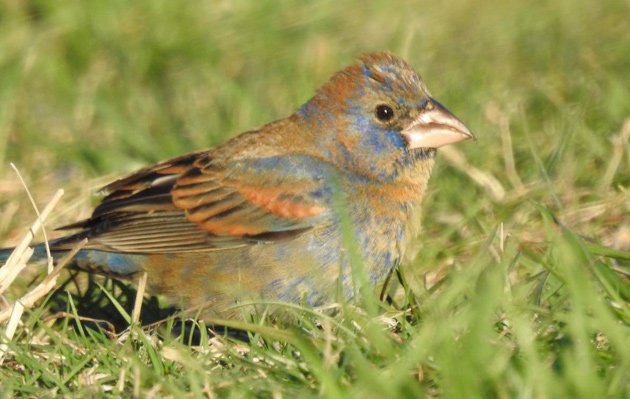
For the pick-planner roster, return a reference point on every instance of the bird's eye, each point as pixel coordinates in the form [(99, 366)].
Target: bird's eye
[(384, 113)]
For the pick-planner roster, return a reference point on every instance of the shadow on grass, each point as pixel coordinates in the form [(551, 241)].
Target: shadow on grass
[(81, 297)]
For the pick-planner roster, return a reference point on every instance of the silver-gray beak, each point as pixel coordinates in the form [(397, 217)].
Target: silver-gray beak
[(435, 127)]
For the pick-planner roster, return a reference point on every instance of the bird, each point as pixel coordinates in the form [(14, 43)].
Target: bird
[(262, 217)]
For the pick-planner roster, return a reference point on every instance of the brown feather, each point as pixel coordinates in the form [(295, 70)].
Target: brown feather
[(189, 203)]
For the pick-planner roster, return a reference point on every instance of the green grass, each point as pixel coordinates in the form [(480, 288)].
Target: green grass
[(502, 301)]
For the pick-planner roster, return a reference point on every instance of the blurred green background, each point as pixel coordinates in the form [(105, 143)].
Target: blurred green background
[(90, 90)]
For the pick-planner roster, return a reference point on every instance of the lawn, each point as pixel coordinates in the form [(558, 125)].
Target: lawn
[(522, 283)]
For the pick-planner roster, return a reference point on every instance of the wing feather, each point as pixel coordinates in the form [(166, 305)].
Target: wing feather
[(193, 203)]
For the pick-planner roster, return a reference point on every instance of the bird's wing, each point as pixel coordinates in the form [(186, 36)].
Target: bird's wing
[(195, 203)]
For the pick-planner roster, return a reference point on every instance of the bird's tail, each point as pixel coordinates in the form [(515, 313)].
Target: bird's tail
[(4, 255), (57, 248), (39, 253), (91, 260)]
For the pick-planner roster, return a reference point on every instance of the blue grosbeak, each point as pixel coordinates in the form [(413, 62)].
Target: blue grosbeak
[(255, 218)]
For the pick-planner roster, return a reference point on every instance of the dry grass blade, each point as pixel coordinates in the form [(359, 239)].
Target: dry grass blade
[(49, 282), (17, 262), (30, 298), (28, 237), (620, 144), (501, 119), (41, 216), (16, 314), (137, 306), (9, 272), (22, 253), (485, 180)]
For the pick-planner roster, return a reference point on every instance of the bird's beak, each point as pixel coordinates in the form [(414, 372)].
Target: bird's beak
[(435, 127)]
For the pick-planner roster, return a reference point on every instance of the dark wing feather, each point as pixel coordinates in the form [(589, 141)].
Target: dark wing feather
[(161, 174), (192, 204), (243, 199)]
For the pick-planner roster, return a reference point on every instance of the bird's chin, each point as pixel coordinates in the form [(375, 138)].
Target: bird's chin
[(423, 153)]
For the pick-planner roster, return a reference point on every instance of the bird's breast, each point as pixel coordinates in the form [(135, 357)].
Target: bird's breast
[(387, 222)]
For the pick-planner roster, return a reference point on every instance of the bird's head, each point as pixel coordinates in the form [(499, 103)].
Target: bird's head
[(376, 117)]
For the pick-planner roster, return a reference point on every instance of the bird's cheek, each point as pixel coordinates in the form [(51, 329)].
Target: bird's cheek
[(384, 142)]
